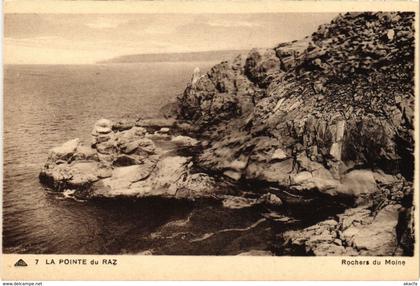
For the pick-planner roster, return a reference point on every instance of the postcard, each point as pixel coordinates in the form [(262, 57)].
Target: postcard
[(210, 140)]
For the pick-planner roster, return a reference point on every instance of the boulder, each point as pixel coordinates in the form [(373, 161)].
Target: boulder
[(107, 147), (104, 140), (123, 124), (184, 141), (279, 154), (168, 177), (85, 153), (65, 151), (102, 126), (78, 175), (127, 141)]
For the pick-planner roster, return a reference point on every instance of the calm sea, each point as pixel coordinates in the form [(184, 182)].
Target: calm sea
[(45, 106)]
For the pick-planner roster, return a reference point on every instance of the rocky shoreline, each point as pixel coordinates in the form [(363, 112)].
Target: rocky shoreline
[(324, 121), (123, 161), (138, 160)]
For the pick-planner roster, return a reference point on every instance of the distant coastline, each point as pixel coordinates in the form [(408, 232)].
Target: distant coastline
[(176, 57)]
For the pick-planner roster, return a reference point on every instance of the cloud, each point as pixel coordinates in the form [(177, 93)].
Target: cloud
[(59, 50), (86, 38)]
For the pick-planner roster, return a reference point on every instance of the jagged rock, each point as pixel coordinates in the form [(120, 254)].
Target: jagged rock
[(234, 175), (76, 175), (107, 147), (102, 126), (382, 227), (239, 164), (71, 165), (260, 66), (130, 175), (128, 141), (117, 160), (184, 141), (332, 114), (65, 151), (279, 154), (85, 153), (355, 229), (124, 124), (290, 53), (213, 97), (308, 103), (167, 177)]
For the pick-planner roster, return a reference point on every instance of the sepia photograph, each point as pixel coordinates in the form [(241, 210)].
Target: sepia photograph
[(210, 134)]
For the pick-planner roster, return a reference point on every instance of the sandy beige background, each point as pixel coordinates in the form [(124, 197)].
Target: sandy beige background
[(218, 267)]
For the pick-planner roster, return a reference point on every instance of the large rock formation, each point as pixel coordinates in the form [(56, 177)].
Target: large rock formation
[(323, 122), (330, 114), (124, 162)]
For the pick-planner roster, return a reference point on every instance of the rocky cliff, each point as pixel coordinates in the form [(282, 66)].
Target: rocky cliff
[(322, 127), (330, 114)]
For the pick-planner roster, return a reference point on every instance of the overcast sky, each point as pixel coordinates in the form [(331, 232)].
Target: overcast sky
[(88, 38)]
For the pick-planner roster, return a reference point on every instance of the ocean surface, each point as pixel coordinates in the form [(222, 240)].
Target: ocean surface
[(46, 105)]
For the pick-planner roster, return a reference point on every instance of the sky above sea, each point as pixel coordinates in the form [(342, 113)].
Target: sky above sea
[(89, 38)]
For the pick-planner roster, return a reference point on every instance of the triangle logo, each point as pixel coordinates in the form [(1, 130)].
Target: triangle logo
[(20, 262)]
